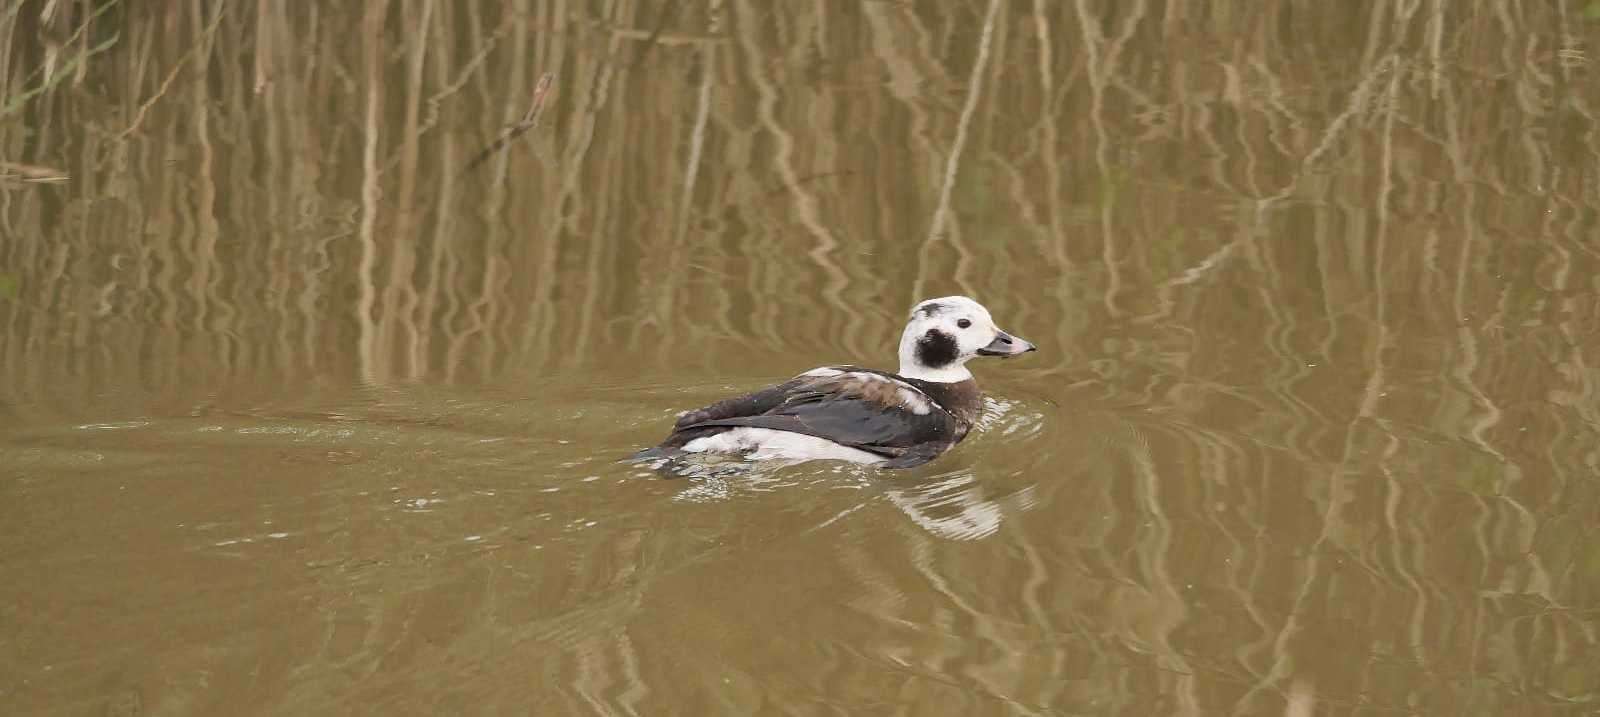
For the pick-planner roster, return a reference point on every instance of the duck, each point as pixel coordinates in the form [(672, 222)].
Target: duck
[(861, 415)]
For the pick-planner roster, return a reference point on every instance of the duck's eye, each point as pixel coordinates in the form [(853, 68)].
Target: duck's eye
[(963, 323)]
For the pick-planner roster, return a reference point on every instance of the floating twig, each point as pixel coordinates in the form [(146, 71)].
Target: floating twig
[(530, 119), (31, 172)]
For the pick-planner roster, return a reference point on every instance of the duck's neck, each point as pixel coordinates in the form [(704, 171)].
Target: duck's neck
[(961, 398), (954, 373)]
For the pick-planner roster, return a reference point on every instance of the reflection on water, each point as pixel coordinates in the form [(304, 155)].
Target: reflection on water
[(303, 410), (950, 507)]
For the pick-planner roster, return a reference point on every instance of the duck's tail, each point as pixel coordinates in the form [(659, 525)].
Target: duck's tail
[(653, 453)]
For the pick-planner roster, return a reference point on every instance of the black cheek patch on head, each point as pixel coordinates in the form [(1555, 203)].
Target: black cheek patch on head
[(936, 349), (931, 308)]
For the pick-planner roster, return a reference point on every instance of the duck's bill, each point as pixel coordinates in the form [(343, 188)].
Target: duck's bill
[(1005, 345)]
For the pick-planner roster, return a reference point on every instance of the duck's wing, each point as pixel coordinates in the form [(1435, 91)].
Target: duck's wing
[(754, 403), (852, 407)]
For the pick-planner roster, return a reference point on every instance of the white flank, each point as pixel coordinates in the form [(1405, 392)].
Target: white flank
[(768, 444)]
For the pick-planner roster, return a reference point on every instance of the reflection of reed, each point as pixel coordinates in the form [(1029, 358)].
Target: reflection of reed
[(808, 212), (941, 210), (1357, 244), (1102, 56)]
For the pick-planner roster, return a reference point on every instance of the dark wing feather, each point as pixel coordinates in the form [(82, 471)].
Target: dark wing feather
[(754, 403)]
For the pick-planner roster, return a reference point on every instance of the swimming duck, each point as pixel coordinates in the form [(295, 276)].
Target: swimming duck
[(862, 415)]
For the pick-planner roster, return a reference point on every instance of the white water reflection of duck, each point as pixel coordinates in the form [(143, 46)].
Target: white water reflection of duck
[(952, 506)]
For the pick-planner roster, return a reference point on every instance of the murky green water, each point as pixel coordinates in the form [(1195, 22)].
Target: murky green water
[(302, 411)]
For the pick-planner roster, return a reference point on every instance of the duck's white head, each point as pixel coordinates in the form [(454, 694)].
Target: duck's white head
[(945, 333)]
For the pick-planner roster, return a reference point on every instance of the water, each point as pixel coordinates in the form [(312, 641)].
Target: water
[(302, 412)]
